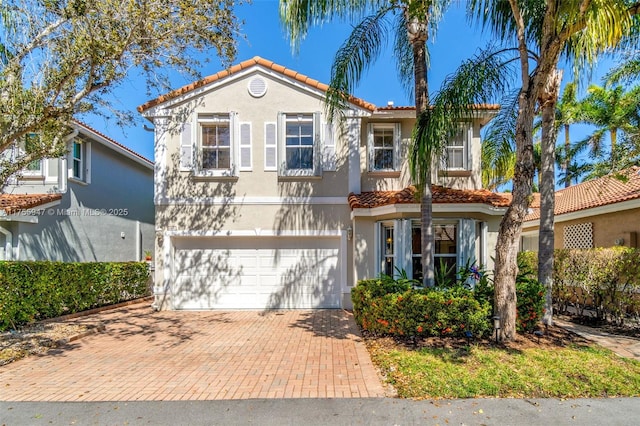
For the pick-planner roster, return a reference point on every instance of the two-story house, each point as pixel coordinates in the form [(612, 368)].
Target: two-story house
[(261, 202), (94, 204)]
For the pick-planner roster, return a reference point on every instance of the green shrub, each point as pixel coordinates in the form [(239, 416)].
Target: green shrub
[(418, 312), (32, 291)]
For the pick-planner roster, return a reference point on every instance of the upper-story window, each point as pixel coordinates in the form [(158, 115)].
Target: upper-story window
[(220, 145), (34, 168), (215, 142), (79, 161), (299, 144), (384, 146), (457, 149)]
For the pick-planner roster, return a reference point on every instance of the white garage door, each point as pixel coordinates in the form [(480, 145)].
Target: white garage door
[(256, 273)]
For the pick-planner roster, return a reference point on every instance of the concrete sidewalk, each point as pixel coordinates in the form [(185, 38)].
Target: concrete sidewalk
[(311, 412), (627, 347)]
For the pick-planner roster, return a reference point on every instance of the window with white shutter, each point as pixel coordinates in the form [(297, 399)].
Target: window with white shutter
[(270, 147), (186, 147), (245, 147)]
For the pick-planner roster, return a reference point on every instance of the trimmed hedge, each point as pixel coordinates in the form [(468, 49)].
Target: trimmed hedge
[(32, 291), (418, 312), (602, 281)]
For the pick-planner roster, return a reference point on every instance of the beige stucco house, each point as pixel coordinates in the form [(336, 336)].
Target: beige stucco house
[(261, 202), (603, 212)]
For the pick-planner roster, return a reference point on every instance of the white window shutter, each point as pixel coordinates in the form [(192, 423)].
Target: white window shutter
[(281, 130), (186, 147), (397, 145), (467, 242), (370, 146), (87, 161), (467, 146), (270, 147), (245, 147), (329, 148), (317, 143)]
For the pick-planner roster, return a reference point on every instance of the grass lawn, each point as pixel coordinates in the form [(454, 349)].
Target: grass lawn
[(554, 367)]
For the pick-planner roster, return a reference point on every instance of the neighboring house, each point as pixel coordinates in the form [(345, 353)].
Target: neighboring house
[(95, 204), (602, 212), (262, 203)]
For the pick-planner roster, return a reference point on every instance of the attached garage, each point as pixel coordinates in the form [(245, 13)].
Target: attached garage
[(256, 272)]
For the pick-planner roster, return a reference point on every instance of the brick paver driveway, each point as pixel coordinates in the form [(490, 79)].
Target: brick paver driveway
[(146, 355)]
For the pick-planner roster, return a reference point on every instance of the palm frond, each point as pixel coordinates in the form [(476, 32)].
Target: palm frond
[(354, 57), (297, 16), (482, 79)]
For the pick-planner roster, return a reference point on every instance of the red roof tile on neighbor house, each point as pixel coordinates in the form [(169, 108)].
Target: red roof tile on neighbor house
[(595, 193), (256, 60), (441, 195), (495, 107), (13, 203)]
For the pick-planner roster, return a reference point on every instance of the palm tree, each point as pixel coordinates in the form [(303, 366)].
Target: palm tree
[(614, 111), (566, 115), (410, 21), (544, 32)]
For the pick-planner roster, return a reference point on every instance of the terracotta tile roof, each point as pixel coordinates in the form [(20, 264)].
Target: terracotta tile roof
[(495, 107), (102, 135), (244, 65), (441, 195), (595, 193), (13, 203)]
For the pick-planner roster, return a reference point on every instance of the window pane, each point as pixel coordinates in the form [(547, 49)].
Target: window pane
[(293, 158), (383, 159), (455, 158), (383, 138), (446, 265), (445, 238), (209, 158), (224, 159), (77, 169), (224, 137), (417, 267), (306, 158), (209, 136), (77, 150)]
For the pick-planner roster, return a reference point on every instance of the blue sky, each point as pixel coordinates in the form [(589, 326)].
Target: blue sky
[(264, 36)]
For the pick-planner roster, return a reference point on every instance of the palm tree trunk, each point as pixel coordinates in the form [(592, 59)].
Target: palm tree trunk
[(417, 33), (567, 157), (548, 101)]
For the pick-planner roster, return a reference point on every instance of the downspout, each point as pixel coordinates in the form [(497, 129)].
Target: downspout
[(8, 245)]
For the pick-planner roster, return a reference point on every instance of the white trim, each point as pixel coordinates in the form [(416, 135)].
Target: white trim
[(226, 233), (590, 212), (437, 208), (251, 201)]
